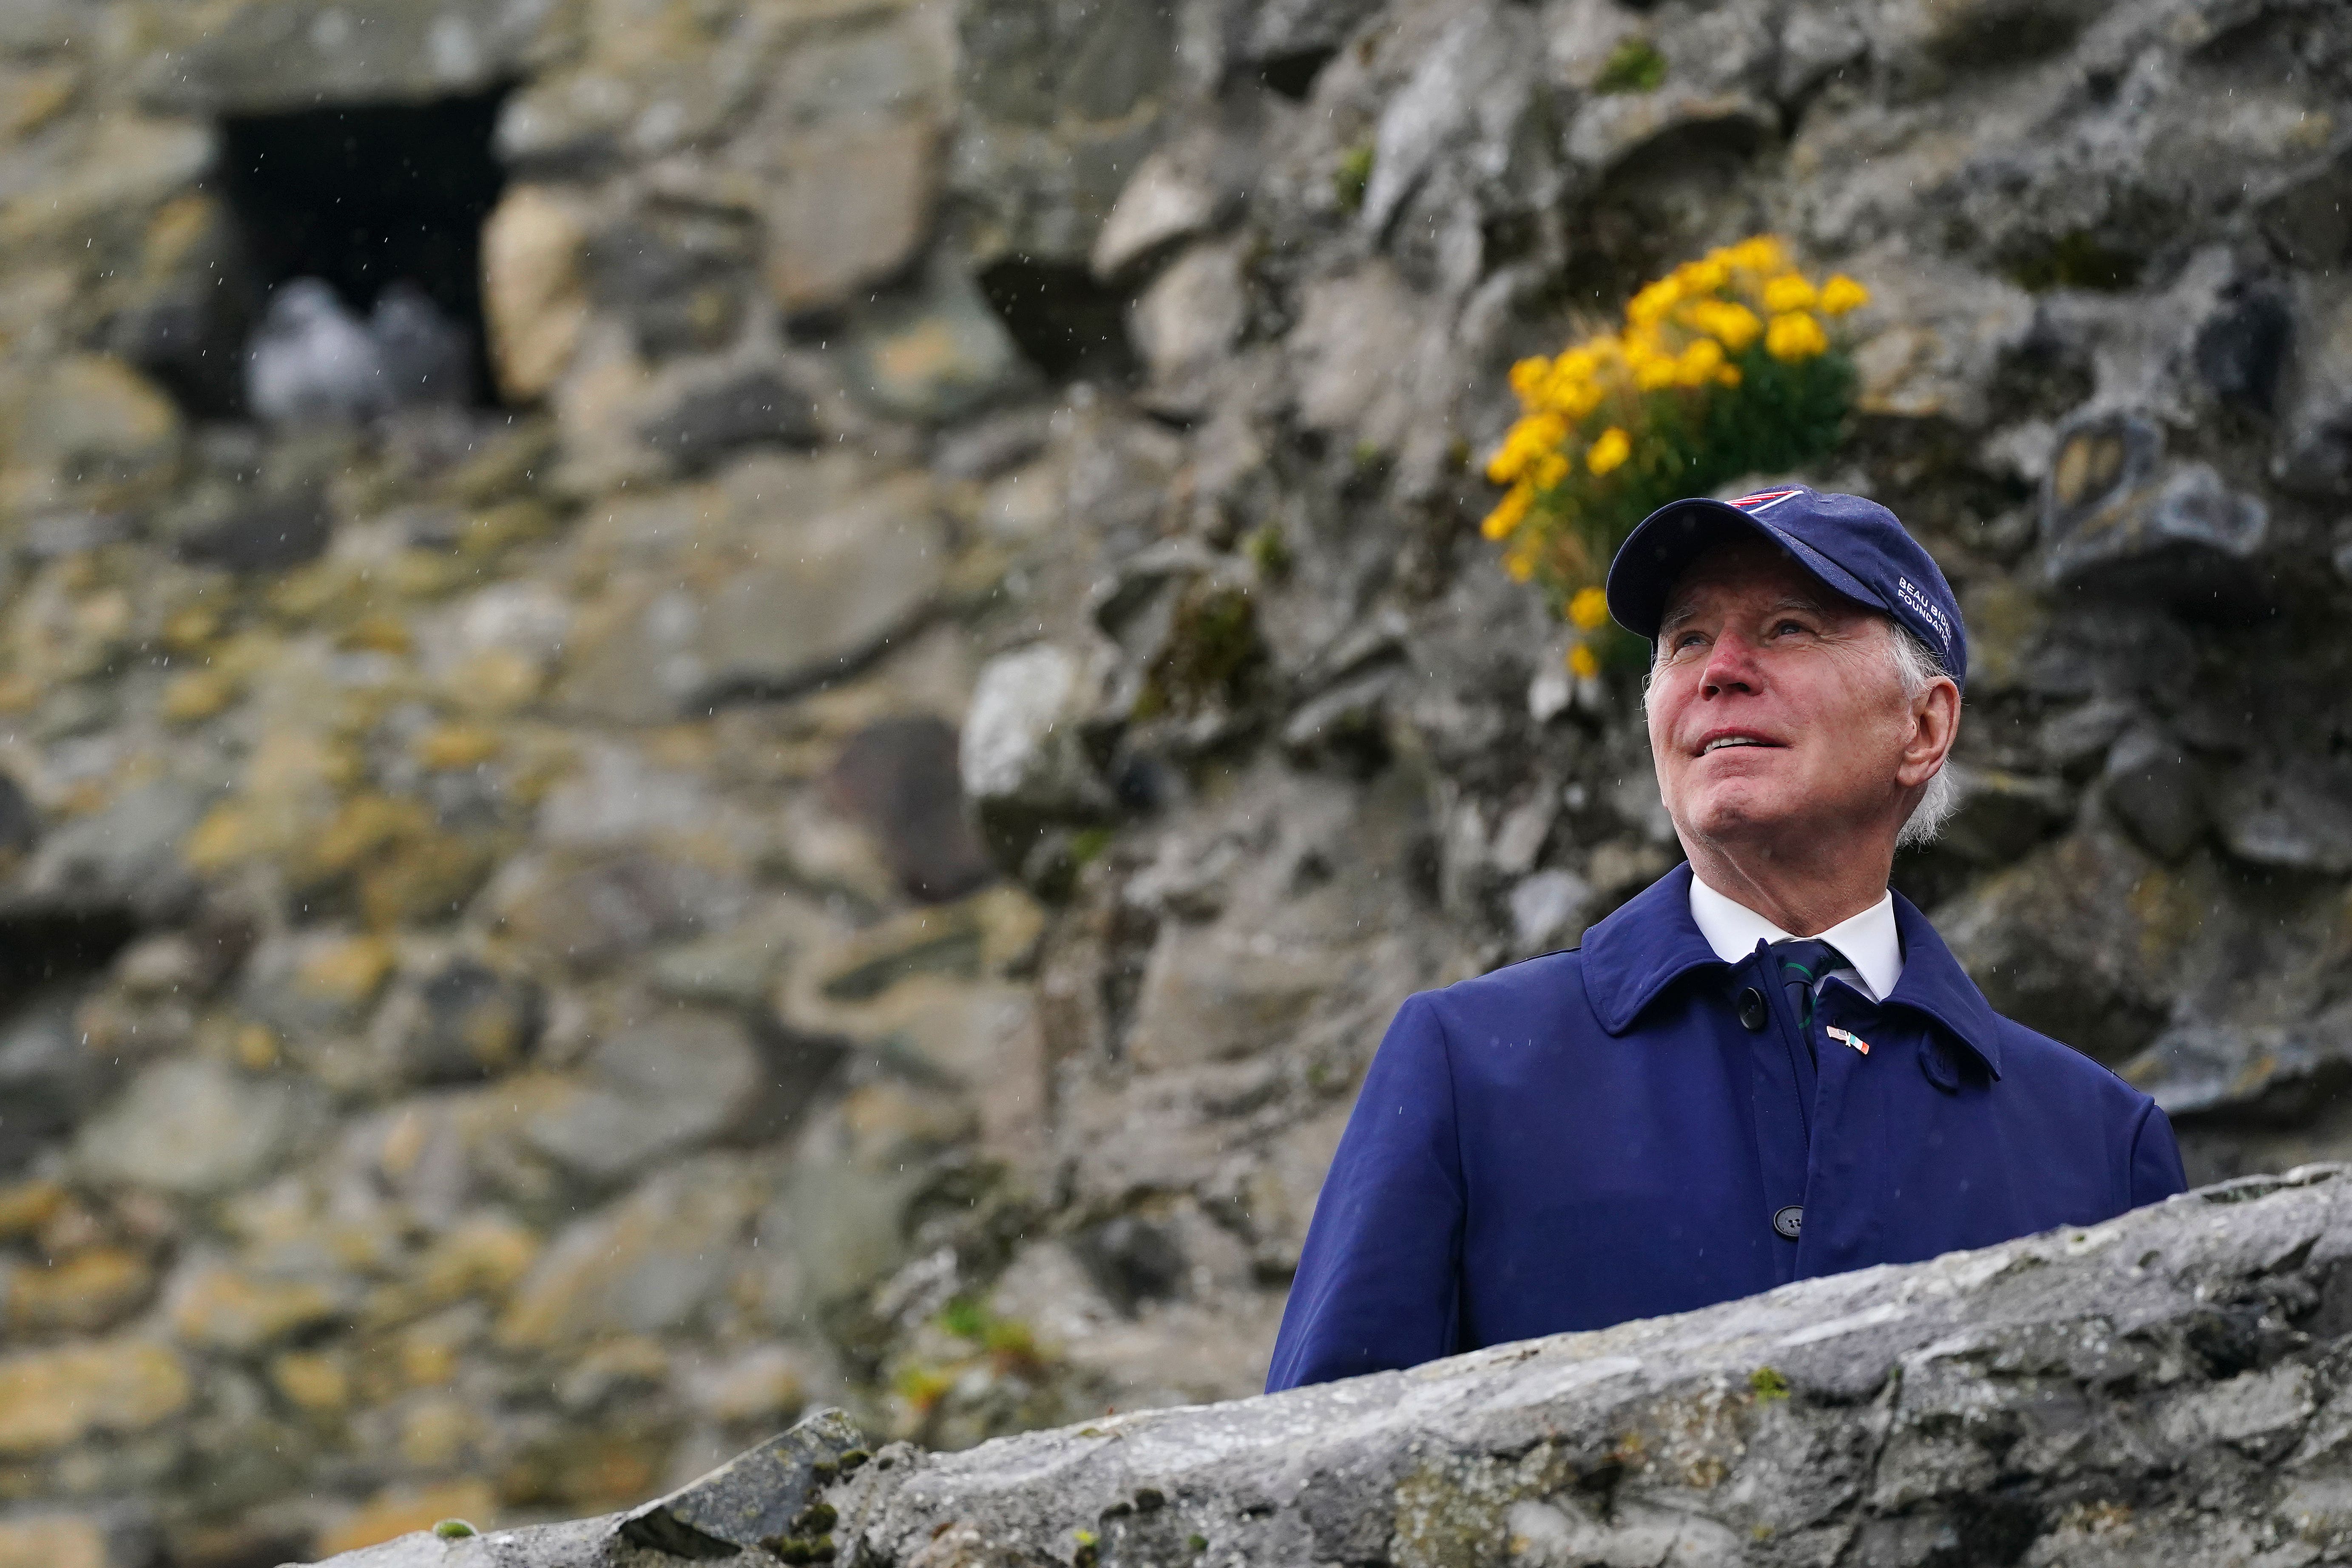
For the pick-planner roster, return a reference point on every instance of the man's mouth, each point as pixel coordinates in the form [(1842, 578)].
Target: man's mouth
[(1722, 740)]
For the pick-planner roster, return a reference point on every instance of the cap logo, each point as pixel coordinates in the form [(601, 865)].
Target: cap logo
[(1923, 606), (1763, 500)]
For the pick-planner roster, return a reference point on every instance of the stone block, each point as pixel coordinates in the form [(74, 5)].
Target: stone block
[(83, 1293), (810, 597), (50, 1078), (1870, 1408), (2154, 787), (649, 1263), (534, 288), (193, 1128), (852, 204), (2295, 812), (584, 914), (935, 354), (2186, 540), (260, 56), (899, 777), (463, 1020), (710, 421), (1023, 757), (55, 1541), (654, 1090), (221, 1307), (755, 1499), (1188, 321), (1168, 200), (95, 434), (55, 1398)]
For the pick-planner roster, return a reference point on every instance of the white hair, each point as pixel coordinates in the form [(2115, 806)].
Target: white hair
[(1915, 665)]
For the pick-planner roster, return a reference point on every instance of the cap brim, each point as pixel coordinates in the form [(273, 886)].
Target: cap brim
[(1666, 543)]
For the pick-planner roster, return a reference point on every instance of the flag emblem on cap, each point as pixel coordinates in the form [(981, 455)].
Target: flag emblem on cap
[(1761, 500)]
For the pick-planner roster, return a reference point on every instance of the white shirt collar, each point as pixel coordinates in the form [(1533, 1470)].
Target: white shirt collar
[(1868, 939)]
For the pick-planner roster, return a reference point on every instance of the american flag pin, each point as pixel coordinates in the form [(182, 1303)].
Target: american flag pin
[(1848, 1038)]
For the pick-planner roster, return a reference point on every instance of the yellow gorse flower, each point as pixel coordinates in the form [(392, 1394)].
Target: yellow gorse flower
[(1841, 294), (1788, 292), (1724, 361), (1613, 447), (1582, 662), (1795, 336)]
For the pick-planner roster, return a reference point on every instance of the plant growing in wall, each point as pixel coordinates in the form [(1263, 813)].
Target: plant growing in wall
[(1724, 367)]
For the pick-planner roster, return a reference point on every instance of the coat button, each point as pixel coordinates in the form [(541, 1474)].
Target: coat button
[(1790, 1221), (1751, 1008)]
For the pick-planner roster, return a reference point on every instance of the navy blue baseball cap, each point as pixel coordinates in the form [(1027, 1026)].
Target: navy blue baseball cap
[(1853, 546)]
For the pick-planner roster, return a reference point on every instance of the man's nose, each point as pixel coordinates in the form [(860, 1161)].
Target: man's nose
[(1730, 667)]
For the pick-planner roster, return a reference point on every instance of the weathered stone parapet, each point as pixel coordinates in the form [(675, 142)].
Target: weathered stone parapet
[(2171, 1387)]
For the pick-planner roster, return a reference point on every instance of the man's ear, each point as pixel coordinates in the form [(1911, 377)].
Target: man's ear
[(1936, 722)]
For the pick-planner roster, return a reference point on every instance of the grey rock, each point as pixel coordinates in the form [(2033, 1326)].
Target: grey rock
[(709, 423), (2295, 812), (1062, 104), (2186, 1355), (2315, 457), (682, 281), (1168, 200), (651, 1262), (268, 534), (2154, 787), (1285, 37), (48, 1078), (934, 354), (123, 859), (2201, 1066), (463, 1020), (649, 1091), (1345, 726), (824, 596), (193, 1128), (1546, 910), (587, 916), (899, 776), (2242, 348), (1999, 816), (266, 56), (752, 1500), (1187, 321), (2188, 540), (2059, 942), (1463, 106), (1023, 759)]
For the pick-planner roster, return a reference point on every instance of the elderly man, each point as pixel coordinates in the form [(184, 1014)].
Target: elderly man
[(1766, 1066)]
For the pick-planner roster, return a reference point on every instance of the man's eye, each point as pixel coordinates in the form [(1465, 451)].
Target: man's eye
[(1787, 627)]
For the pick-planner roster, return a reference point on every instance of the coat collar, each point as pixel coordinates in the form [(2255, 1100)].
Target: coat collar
[(1651, 941)]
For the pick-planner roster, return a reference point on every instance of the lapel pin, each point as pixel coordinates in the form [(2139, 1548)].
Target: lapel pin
[(1848, 1038)]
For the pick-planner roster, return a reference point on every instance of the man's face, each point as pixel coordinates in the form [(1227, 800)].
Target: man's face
[(1776, 713)]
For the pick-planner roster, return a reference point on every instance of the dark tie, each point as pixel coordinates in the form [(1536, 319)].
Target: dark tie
[(1804, 963)]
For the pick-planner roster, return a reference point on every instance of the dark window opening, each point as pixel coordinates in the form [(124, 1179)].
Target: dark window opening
[(1063, 321), (374, 199), (1293, 75)]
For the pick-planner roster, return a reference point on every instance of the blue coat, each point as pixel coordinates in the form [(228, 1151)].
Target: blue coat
[(1597, 1135)]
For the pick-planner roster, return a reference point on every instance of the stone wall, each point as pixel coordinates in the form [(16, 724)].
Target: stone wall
[(2165, 1388), (847, 834)]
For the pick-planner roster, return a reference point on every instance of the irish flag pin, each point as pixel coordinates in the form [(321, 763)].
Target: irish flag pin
[(1848, 1038)]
